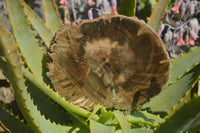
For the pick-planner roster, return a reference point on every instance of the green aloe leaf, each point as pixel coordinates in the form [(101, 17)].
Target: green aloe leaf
[(157, 14), (36, 53), (57, 98), (144, 117), (171, 95), (39, 25), (122, 121), (127, 7), (39, 111), (4, 67), (15, 70), (13, 123), (52, 18), (184, 64), (96, 127), (106, 117), (177, 123), (24, 36), (49, 116), (145, 7), (195, 129), (138, 130), (95, 110)]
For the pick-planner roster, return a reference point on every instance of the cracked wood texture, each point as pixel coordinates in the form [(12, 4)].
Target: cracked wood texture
[(114, 60)]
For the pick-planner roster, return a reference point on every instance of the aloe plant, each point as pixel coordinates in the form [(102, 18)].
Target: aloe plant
[(175, 109)]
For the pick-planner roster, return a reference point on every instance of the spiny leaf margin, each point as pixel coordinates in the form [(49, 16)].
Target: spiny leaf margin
[(39, 25), (12, 122), (177, 123), (51, 15), (172, 94), (24, 36), (15, 70)]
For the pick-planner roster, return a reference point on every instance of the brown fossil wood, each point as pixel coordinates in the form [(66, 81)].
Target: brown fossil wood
[(115, 61)]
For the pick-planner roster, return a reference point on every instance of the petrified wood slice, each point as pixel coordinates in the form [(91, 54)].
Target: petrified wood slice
[(115, 61)]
